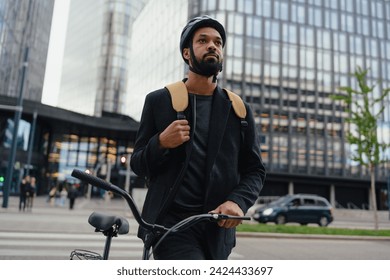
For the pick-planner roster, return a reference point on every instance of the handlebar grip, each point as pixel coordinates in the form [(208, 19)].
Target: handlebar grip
[(95, 181), (226, 217)]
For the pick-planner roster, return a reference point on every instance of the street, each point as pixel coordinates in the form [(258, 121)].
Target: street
[(50, 232), (271, 248)]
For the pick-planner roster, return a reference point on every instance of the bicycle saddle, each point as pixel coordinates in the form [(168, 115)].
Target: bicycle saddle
[(102, 222)]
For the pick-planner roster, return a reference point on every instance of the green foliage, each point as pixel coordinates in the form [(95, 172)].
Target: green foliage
[(364, 114), (297, 229)]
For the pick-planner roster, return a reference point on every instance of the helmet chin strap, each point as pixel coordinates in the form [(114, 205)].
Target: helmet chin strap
[(203, 69)]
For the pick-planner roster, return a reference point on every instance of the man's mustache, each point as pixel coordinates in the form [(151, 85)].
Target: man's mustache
[(212, 54)]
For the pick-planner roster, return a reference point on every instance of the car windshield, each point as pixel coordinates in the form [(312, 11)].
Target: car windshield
[(280, 201)]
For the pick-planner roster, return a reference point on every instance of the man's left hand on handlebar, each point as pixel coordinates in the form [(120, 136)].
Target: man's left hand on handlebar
[(229, 208)]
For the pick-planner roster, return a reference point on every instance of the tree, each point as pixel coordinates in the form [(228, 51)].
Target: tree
[(364, 111)]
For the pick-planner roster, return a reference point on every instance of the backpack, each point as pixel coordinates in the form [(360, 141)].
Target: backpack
[(179, 96)]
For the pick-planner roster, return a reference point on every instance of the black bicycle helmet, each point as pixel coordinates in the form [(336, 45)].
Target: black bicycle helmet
[(196, 23)]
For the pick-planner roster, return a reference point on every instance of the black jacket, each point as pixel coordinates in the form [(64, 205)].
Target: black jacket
[(235, 170)]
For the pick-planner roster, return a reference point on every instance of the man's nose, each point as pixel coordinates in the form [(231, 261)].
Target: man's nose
[(211, 46)]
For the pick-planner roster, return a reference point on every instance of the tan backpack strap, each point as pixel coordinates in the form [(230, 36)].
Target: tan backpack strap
[(179, 96), (238, 104)]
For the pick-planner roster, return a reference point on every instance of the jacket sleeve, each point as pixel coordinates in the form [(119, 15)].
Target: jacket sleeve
[(251, 166), (147, 156)]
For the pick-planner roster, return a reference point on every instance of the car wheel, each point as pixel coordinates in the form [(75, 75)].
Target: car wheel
[(280, 220), (303, 224), (323, 222)]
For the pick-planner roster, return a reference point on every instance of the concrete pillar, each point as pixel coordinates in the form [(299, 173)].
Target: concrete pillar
[(332, 195), (290, 187)]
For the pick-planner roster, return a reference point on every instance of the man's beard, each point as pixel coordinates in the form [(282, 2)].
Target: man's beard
[(206, 66), (209, 67)]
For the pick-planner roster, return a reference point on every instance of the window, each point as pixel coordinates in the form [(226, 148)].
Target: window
[(307, 57), (253, 49), (238, 46), (298, 13), (245, 6), (321, 203), (343, 42), (324, 39), (253, 27), (307, 36), (290, 55), (274, 53), (347, 22), (209, 5), (23, 134), (237, 67), (272, 30), (290, 33), (263, 7), (281, 10), (331, 19), (309, 201), (230, 5)]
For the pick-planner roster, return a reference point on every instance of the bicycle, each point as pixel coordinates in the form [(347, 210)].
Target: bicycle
[(112, 225)]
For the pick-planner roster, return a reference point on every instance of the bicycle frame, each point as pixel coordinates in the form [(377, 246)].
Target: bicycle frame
[(155, 229)]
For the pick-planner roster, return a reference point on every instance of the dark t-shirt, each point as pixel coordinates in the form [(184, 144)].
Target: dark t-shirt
[(191, 193)]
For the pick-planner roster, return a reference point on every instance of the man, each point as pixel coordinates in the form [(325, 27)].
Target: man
[(207, 162), (24, 187)]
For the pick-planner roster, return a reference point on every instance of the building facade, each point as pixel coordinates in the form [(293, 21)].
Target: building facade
[(24, 38), (95, 63), (286, 58), (51, 142)]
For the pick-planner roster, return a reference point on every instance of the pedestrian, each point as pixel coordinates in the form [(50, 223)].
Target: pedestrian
[(30, 193), (209, 160), (24, 185), (63, 196), (72, 195), (52, 195)]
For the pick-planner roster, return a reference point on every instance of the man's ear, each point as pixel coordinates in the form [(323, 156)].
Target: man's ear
[(186, 53)]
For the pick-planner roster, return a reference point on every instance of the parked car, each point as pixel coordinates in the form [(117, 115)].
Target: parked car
[(297, 208)]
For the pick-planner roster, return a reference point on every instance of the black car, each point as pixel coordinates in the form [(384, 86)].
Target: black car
[(297, 208)]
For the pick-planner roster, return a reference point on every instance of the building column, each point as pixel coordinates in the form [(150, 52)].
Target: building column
[(332, 195), (290, 188)]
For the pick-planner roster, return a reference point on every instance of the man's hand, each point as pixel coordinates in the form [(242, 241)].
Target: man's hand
[(175, 134), (229, 208)]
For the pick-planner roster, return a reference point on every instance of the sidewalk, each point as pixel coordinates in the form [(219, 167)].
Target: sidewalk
[(47, 218), (50, 218), (81, 204)]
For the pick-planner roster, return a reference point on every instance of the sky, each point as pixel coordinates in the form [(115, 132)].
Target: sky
[(52, 79)]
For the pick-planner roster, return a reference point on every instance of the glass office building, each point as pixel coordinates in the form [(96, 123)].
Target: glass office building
[(51, 142), (286, 58), (155, 59), (94, 72), (24, 38)]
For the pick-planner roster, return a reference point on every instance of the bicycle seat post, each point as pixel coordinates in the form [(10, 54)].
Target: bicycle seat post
[(109, 234), (145, 253)]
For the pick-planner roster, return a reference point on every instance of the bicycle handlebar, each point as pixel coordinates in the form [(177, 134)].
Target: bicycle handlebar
[(100, 183)]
